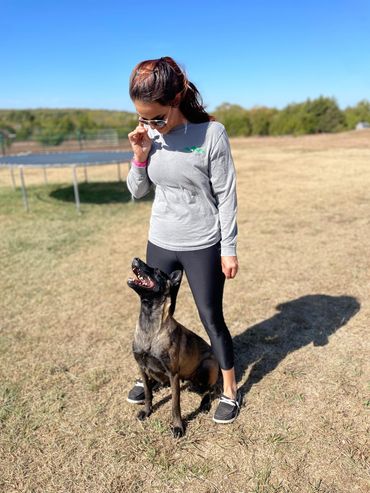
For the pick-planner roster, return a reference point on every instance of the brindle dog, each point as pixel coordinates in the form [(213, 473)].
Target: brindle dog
[(165, 350)]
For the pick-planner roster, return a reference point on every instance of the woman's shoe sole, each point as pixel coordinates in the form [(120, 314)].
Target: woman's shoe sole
[(131, 401), (225, 422)]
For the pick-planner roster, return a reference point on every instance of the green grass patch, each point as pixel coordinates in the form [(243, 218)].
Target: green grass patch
[(53, 227)]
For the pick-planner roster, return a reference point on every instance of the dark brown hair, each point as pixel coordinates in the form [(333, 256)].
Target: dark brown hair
[(160, 80)]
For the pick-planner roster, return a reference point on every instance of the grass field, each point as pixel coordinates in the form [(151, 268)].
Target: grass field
[(298, 311)]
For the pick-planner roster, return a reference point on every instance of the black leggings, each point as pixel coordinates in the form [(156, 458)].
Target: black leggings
[(206, 280)]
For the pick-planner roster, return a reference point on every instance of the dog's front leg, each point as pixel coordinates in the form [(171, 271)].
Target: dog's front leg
[(178, 428), (147, 411)]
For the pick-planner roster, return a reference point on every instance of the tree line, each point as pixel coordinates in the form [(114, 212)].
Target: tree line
[(53, 126), (310, 117)]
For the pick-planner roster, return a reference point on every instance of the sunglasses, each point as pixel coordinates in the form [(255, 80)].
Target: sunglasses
[(160, 123)]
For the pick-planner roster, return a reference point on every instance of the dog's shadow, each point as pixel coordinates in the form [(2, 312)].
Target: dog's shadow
[(306, 320)]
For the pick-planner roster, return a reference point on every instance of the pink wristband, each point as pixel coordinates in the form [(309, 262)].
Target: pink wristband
[(139, 164)]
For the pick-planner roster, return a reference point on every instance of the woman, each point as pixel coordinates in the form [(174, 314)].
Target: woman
[(180, 149)]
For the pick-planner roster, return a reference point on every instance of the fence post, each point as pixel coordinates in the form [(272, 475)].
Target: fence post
[(75, 187), (11, 168), (24, 191)]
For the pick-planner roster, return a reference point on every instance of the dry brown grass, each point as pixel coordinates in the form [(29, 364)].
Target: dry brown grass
[(298, 311)]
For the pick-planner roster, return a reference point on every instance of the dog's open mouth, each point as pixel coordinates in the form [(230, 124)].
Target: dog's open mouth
[(141, 279)]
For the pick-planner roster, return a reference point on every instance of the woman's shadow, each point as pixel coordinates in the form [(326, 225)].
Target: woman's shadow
[(311, 318)]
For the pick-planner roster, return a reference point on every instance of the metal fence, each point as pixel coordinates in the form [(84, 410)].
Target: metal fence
[(50, 142)]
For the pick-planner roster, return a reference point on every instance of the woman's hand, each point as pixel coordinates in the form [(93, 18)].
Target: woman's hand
[(229, 266), (140, 143)]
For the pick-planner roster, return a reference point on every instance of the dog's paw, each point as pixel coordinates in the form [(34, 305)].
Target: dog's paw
[(178, 431), (206, 404), (141, 415)]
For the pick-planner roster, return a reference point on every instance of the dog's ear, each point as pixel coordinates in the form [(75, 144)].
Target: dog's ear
[(175, 277)]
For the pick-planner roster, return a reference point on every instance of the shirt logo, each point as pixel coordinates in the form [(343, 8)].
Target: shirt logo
[(199, 150)]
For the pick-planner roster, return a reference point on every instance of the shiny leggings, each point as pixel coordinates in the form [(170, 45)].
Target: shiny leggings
[(206, 280)]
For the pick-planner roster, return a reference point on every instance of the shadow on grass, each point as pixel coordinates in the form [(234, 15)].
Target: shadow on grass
[(309, 319), (306, 320), (97, 193)]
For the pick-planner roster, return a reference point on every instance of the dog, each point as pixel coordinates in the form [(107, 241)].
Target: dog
[(166, 351)]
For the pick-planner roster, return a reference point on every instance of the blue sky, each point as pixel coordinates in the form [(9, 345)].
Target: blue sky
[(80, 53)]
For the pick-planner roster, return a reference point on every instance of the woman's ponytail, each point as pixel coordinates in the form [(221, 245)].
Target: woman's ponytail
[(160, 81)]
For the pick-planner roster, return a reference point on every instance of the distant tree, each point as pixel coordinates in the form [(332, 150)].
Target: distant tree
[(21, 116), (85, 122), (322, 115), (261, 119), (127, 128), (24, 132), (55, 131), (22, 122), (358, 113), (234, 118), (84, 126), (288, 120), (313, 116)]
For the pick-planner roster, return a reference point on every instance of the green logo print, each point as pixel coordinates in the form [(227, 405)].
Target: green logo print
[(199, 150)]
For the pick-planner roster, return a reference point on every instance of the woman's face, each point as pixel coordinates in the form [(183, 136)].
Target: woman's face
[(167, 116)]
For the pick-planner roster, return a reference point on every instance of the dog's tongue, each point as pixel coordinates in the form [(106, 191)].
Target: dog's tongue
[(142, 280)]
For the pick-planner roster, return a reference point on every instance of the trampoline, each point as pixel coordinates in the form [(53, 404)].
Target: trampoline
[(71, 160)]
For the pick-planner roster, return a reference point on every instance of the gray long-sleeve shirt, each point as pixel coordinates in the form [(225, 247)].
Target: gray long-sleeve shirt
[(195, 201)]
